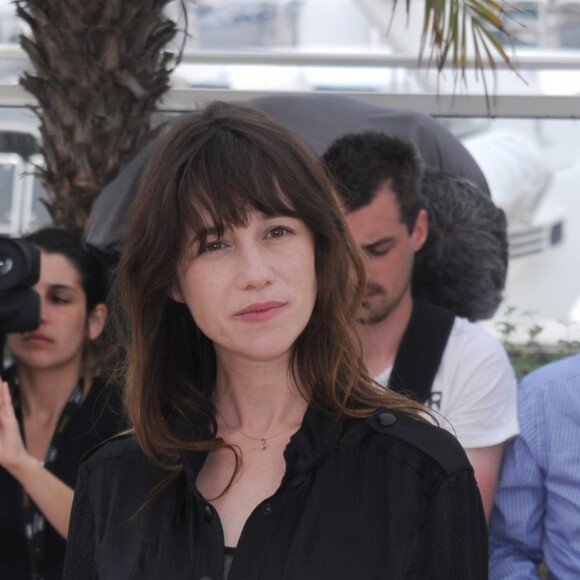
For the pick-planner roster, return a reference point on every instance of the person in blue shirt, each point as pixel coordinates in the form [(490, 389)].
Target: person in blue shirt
[(536, 516)]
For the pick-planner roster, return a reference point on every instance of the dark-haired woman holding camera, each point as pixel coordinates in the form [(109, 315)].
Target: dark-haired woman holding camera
[(52, 408)]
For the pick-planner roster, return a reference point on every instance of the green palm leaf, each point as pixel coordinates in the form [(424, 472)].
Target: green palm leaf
[(449, 26)]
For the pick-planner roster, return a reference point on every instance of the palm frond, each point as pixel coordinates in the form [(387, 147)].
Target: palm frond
[(450, 25)]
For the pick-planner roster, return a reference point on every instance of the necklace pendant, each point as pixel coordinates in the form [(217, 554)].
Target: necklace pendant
[(262, 444)]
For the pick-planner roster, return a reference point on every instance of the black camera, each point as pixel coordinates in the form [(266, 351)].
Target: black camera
[(19, 272)]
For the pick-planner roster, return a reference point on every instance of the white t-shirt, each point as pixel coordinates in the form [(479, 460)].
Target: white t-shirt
[(474, 394)]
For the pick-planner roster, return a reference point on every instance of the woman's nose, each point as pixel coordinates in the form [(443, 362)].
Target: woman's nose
[(43, 309), (254, 267)]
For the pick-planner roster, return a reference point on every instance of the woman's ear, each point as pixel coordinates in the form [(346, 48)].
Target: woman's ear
[(175, 294), (96, 321)]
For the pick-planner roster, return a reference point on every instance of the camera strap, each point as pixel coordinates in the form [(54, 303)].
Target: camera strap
[(34, 520)]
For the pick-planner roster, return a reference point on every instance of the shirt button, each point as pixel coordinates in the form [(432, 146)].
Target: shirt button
[(207, 514), (267, 509), (386, 419)]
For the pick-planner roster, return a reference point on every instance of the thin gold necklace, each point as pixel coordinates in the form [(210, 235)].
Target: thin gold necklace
[(261, 440)]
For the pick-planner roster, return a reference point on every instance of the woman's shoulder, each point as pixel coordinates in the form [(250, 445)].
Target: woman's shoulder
[(116, 460), (416, 441), (120, 456), (119, 448), (116, 478)]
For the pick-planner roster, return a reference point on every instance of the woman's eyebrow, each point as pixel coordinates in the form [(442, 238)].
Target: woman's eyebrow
[(59, 286)]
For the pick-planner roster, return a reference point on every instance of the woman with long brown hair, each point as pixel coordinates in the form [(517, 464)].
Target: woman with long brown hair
[(261, 448)]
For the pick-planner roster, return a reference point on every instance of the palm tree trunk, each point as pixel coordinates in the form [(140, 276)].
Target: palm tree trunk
[(100, 68)]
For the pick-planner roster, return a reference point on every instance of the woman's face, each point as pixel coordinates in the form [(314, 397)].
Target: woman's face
[(251, 291), (59, 339)]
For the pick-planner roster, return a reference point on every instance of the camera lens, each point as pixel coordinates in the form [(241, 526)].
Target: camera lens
[(6, 264), (19, 264)]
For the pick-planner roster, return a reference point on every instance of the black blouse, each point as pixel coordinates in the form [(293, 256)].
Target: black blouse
[(97, 419), (388, 497)]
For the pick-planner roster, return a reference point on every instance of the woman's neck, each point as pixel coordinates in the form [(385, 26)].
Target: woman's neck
[(44, 392), (259, 398)]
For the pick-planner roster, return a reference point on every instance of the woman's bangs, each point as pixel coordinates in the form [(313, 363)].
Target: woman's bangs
[(219, 193)]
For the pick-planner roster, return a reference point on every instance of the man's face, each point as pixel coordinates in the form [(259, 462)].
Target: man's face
[(390, 250)]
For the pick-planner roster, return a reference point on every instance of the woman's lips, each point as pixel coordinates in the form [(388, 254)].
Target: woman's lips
[(36, 337), (260, 310)]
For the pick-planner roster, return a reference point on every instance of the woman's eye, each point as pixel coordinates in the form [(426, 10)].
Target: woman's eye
[(279, 232), (59, 300), (213, 246)]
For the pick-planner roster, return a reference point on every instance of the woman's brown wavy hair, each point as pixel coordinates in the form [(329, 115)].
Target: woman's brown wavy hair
[(223, 161)]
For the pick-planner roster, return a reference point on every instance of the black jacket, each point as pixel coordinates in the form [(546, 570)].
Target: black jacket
[(388, 497)]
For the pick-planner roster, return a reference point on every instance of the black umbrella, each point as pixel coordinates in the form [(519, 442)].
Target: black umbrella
[(319, 119)]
